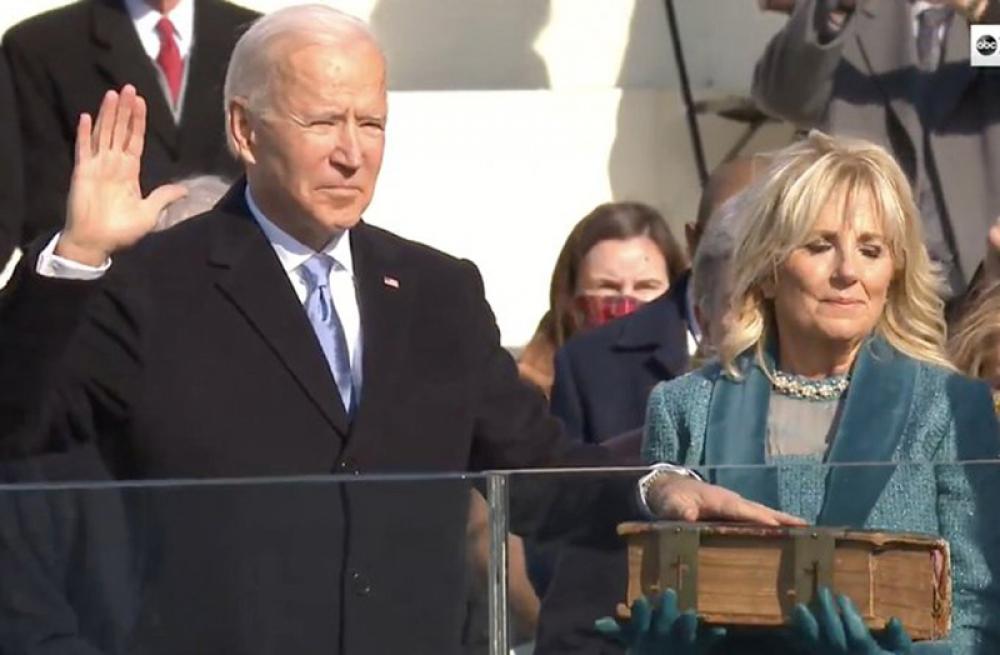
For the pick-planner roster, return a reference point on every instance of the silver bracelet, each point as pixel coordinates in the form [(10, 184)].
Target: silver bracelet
[(658, 471)]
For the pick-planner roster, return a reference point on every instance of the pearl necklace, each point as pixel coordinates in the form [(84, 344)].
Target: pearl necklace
[(797, 386)]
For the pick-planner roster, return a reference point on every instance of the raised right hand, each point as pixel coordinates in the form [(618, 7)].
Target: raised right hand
[(105, 211), (679, 498)]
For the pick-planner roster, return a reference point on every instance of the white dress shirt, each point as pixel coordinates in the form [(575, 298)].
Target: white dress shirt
[(50, 264), (917, 6), (343, 291), (145, 19), (693, 331), (291, 253)]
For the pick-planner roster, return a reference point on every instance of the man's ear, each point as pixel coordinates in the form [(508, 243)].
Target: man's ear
[(239, 126)]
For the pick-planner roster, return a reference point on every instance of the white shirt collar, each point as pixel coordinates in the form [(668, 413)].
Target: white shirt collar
[(918, 6), (145, 19), (293, 253)]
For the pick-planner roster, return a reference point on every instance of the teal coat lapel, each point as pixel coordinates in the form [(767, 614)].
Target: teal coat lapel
[(870, 430), (874, 417), (735, 434)]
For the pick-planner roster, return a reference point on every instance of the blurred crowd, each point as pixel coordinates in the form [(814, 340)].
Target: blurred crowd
[(833, 301)]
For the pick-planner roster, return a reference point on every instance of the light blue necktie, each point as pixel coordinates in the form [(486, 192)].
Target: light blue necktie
[(327, 326)]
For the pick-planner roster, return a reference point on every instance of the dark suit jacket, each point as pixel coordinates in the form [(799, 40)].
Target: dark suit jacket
[(11, 169), (63, 61), (602, 381), (194, 359)]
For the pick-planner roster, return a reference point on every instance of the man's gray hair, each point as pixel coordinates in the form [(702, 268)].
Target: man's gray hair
[(203, 191), (250, 74), (709, 289)]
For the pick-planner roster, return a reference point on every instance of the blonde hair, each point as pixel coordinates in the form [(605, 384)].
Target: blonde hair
[(782, 205), (973, 343)]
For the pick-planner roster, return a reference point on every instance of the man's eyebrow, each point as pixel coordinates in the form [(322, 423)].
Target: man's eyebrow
[(330, 113)]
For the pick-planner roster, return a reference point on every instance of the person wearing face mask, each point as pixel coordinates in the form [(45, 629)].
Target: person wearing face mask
[(603, 376), (617, 258), (834, 353), (602, 380)]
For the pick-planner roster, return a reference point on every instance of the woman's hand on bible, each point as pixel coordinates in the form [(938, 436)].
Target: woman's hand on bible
[(834, 627), (679, 498), (105, 210), (664, 629)]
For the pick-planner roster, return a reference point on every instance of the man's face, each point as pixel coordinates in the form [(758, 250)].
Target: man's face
[(163, 6), (316, 151)]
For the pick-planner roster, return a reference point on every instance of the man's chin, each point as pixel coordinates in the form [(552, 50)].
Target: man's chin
[(340, 221)]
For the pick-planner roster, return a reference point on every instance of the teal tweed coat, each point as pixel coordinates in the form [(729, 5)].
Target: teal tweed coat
[(917, 418)]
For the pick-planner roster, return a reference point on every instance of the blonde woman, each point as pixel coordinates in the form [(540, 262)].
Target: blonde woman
[(834, 353), (975, 342)]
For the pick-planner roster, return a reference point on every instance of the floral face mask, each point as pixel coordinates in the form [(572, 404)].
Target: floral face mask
[(598, 310)]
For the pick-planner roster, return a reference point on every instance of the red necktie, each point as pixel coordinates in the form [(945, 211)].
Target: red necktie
[(169, 59)]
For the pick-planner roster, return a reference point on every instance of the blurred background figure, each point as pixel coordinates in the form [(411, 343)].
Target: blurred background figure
[(974, 344), (897, 73), (711, 277), (203, 192), (602, 380), (603, 376), (174, 52), (617, 258)]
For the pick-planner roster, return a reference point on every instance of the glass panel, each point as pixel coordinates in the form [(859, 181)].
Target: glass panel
[(295, 565), (366, 563)]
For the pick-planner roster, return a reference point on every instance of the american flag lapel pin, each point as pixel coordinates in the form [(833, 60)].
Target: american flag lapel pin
[(390, 282)]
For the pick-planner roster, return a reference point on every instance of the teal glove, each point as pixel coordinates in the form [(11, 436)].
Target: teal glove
[(667, 630), (824, 631)]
